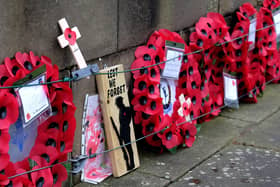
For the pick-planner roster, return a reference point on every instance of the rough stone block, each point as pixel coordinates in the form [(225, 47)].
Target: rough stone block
[(179, 14), (135, 22), (138, 19), (12, 28)]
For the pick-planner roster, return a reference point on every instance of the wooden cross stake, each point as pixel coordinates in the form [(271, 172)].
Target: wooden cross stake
[(68, 38)]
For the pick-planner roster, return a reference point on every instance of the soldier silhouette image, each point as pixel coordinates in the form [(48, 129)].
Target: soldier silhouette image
[(124, 133)]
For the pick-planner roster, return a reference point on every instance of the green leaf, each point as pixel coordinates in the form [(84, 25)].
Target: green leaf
[(173, 150), (207, 97), (67, 165), (214, 61), (32, 163), (198, 127)]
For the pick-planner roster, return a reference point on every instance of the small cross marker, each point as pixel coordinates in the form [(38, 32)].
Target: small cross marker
[(68, 38)]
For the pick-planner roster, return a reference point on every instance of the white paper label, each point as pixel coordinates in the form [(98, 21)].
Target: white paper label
[(34, 100), (276, 20), (167, 93), (230, 87), (173, 65), (252, 33)]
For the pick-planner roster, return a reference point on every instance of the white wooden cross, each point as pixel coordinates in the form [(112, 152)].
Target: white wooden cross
[(63, 42)]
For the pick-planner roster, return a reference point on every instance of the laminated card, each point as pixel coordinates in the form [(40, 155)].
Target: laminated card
[(99, 167), (118, 123)]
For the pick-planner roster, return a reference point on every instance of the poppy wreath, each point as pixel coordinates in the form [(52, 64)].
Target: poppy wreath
[(147, 102), (209, 32), (270, 42), (251, 65), (55, 135)]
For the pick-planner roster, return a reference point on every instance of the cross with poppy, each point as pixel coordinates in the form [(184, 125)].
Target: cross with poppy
[(68, 38)]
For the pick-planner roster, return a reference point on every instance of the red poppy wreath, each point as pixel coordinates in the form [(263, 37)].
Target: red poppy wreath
[(147, 101), (54, 136)]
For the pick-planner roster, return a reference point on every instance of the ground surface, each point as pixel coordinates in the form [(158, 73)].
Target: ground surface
[(238, 148)]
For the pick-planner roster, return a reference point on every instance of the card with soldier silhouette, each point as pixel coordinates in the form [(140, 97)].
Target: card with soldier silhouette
[(118, 122)]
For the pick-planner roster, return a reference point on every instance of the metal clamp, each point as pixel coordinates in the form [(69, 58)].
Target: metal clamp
[(85, 72), (78, 163)]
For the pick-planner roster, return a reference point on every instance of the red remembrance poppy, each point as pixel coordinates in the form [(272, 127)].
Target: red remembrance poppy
[(169, 136), (247, 9), (13, 66), (271, 4), (25, 61), (70, 36), (48, 153), (59, 174), (4, 140), (8, 110), (189, 132), (4, 74)]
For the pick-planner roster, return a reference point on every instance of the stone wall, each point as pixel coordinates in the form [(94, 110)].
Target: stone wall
[(110, 29)]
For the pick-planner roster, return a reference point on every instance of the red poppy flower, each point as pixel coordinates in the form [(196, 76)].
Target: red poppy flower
[(70, 36), (189, 132), (61, 105), (24, 164), (52, 73), (22, 180), (35, 60), (197, 42), (152, 125), (247, 9), (5, 157), (8, 110), (154, 140), (238, 43), (24, 60), (68, 126), (59, 174), (205, 31), (42, 178), (144, 52), (144, 86), (154, 106), (151, 73), (219, 24), (4, 180), (48, 153), (13, 66), (216, 92), (11, 80), (271, 4), (49, 138), (4, 140), (46, 60), (170, 137), (4, 74), (139, 102), (53, 123)]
